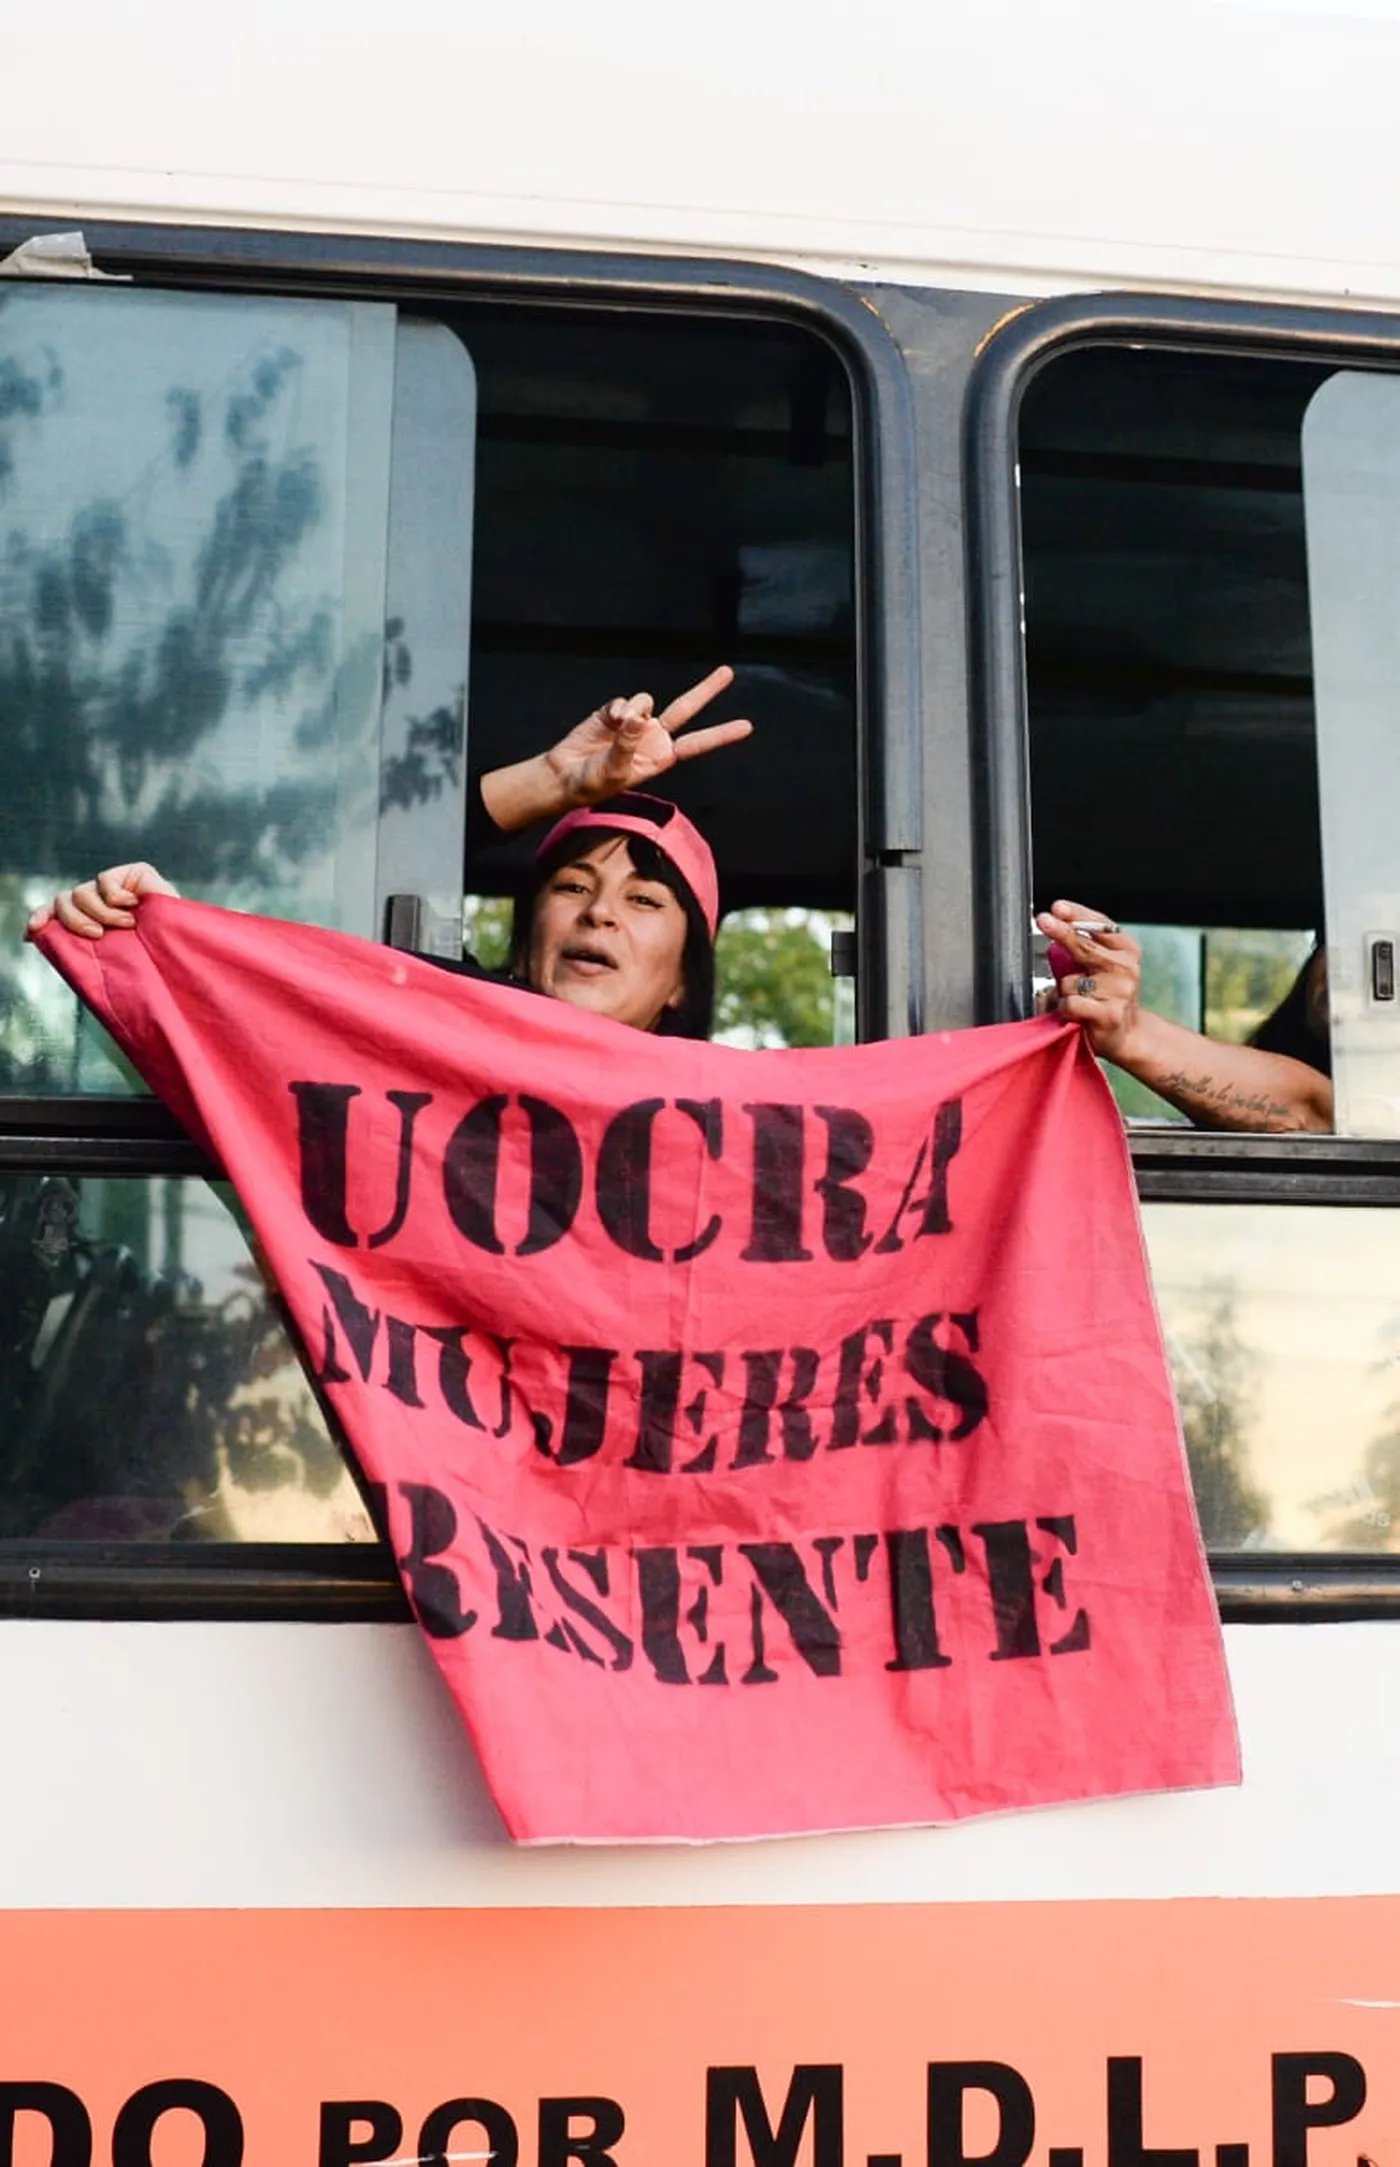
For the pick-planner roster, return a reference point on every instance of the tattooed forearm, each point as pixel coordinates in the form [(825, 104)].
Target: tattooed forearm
[(1214, 1096)]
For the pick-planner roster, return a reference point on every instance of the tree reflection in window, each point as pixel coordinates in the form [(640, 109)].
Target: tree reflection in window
[(144, 1397)]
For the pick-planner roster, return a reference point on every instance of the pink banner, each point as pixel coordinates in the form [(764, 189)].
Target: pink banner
[(767, 1441)]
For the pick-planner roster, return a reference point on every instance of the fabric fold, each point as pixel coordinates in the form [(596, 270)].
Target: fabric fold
[(768, 1442)]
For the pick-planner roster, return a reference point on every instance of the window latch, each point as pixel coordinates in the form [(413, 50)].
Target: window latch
[(1380, 972), (843, 952), (403, 922)]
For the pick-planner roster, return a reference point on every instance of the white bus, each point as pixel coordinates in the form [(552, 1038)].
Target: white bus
[(1012, 393)]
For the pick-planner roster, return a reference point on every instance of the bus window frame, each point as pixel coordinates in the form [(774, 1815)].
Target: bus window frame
[(1170, 1165), (346, 1582)]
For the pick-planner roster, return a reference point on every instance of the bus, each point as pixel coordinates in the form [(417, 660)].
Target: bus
[(1012, 394)]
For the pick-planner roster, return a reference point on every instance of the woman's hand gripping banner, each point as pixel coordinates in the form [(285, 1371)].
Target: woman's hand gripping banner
[(768, 1442)]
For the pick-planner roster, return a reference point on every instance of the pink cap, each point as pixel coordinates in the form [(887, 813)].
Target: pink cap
[(661, 823)]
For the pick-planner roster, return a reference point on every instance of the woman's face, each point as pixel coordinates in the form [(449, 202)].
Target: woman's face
[(605, 939)]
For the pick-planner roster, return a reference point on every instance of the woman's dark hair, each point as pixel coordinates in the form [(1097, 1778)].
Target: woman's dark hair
[(694, 1014), (1290, 1028)]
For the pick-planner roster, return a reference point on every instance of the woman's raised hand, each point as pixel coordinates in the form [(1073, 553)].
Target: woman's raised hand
[(626, 744), (623, 745), (105, 903)]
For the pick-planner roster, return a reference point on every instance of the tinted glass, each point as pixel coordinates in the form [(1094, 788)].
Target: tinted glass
[(1168, 654), (1282, 1325), (1174, 744), (1224, 980), (657, 495), (196, 515), (1351, 475), (148, 1389)]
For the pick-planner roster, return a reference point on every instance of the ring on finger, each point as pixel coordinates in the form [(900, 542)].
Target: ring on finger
[(1086, 985)]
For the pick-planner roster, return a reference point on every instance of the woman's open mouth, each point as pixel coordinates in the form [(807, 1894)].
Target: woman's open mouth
[(588, 962)]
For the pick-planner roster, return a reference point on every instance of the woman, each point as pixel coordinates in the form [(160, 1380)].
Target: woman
[(621, 910), (1277, 1083), (620, 914)]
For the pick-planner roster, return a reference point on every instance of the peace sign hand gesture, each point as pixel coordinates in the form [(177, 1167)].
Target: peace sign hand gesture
[(626, 744), (623, 745)]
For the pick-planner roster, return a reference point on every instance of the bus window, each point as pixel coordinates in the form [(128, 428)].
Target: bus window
[(279, 580), (208, 513), (1211, 547), (148, 1389), (653, 498), (1169, 676), (1282, 1328), (1351, 475), (1211, 544)]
